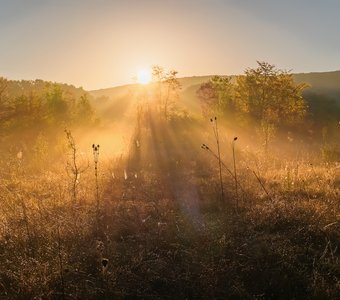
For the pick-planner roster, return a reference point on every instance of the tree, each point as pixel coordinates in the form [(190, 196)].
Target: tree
[(270, 94), (56, 104), (167, 87), (216, 96), (3, 99), (3, 90), (265, 95), (85, 111), (271, 98)]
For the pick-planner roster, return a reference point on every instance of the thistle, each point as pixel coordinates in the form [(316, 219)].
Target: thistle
[(105, 262), (96, 159)]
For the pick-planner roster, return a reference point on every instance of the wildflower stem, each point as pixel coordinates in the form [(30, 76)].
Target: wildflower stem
[(235, 173), (215, 128), (96, 158), (205, 147)]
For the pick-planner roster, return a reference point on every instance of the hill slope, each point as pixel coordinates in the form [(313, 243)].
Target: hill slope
[(117, 98)]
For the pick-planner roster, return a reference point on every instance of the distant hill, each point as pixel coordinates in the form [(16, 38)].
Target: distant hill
[(325, 83), (117, 98)]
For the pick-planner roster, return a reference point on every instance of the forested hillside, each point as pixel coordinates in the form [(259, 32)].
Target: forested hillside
[(33, 114)]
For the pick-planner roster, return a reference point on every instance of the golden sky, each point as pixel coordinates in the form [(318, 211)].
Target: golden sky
[(97, 44)]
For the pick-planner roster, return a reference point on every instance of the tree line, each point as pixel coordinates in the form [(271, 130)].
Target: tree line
[(33, 115)]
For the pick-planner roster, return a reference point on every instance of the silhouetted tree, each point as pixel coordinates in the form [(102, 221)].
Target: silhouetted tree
[(167, 89)]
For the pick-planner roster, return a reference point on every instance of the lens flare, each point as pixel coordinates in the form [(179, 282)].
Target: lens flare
[(144, 76)]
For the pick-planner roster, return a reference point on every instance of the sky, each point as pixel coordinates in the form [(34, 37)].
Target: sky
[(104, 43)]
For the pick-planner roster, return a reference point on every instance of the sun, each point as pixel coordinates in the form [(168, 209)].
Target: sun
[(144, 76)]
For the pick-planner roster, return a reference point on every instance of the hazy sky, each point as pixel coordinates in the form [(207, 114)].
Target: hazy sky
[(101, 43)]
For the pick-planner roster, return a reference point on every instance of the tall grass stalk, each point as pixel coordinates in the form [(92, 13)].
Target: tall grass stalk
[(216, 134), (261, 184), (205, 147)]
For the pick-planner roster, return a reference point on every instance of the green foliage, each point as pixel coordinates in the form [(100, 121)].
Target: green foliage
[(25, 104), (269, 94), (4, 110), (265, 96), (57, 107), (31, 111), (3, 91), (216, 96), (85, 112)]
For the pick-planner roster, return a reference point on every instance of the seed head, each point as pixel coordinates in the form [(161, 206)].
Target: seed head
[(105, 262), (95, 147), (95, 152)]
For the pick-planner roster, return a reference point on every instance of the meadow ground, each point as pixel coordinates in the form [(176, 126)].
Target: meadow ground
[(159, 228)]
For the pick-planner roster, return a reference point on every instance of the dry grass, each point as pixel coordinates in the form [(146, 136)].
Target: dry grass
[(164, 234)]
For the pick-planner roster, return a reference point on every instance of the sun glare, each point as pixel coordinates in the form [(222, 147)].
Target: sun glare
[(144, 76)]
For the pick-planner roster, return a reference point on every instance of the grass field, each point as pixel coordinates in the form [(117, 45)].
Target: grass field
[(159, 228)]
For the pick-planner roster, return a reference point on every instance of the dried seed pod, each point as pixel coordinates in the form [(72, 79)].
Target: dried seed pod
[(105, 262)]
